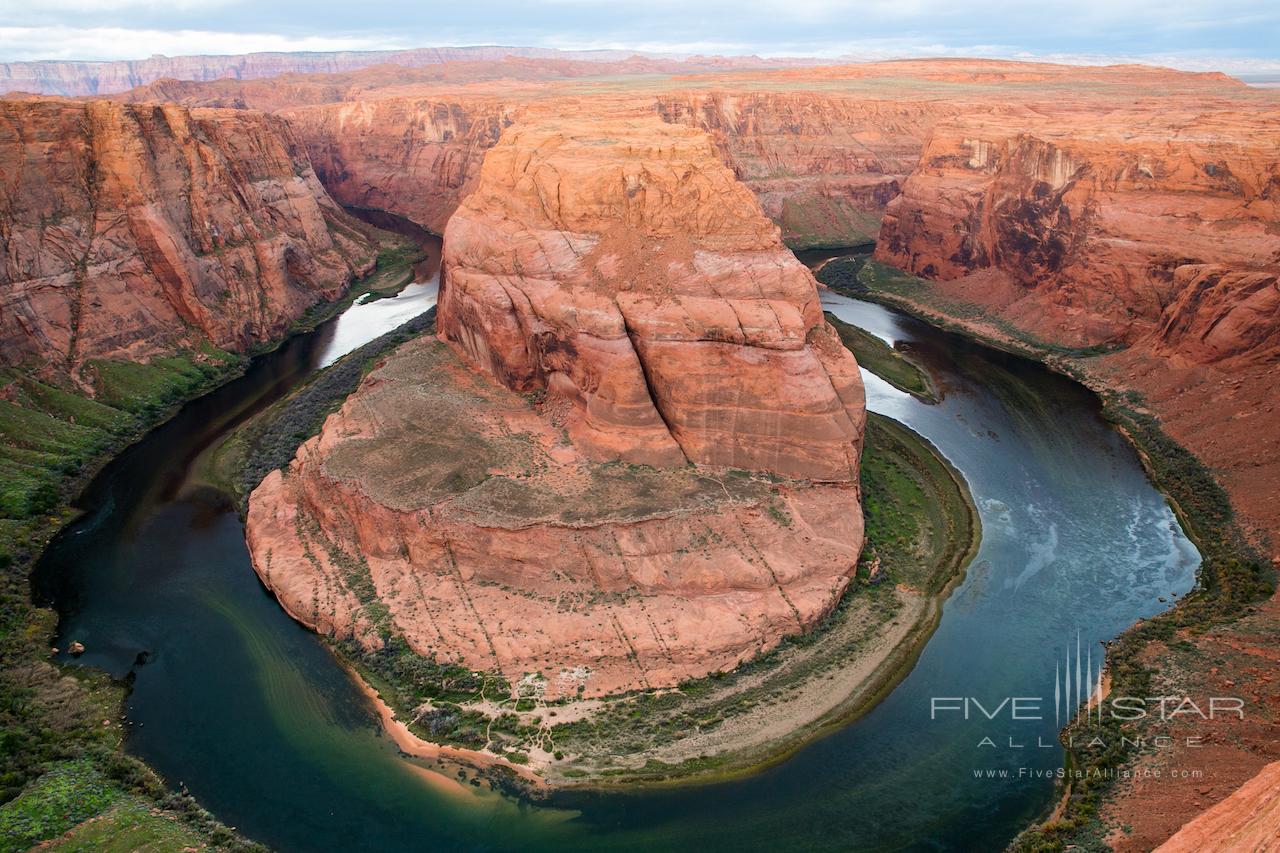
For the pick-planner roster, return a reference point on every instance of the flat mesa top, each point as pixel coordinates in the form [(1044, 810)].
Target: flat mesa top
[(426, 431)]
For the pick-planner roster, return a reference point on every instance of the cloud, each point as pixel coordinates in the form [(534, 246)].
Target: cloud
[(94, 43), (1183, 33), (11, 9)]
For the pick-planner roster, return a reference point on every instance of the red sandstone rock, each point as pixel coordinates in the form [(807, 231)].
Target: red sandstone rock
[(1249, 819), (1221, 314), (130, 231), (492, 541), (617, 263), (823, 165), (614, 263), (1090, 218), (416, 157)]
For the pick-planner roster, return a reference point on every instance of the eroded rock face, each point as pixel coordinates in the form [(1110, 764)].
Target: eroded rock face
[(1221, 314), (615, 306), (617, 263), (130, 231), (416, 157), (1246, 820), (1095, 228), (823, 166), (442, 508)]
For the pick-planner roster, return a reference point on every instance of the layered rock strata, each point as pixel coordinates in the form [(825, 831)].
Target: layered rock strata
[(131, 231), (416, 157), (1086, 231), (619, 265), (442, 508), (615, 306)]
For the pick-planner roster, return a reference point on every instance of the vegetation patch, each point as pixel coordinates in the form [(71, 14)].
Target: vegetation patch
[(821, 222), (58, 800), (884, 361)]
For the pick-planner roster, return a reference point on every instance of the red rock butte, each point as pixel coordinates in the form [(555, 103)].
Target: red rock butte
[(616, 306), (619, 264)]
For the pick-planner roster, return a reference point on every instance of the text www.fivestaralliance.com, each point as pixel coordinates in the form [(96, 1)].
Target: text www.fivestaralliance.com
[(1098, 773)]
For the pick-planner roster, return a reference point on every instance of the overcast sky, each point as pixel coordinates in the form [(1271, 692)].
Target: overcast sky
[(1232, 35)]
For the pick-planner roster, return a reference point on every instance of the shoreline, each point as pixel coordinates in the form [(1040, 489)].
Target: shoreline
[(868, 678), (413, 746), (1074, 810)]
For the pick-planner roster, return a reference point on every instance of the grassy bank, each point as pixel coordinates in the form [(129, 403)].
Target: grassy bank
[(884, 361), (61, 733), (1233, 575)]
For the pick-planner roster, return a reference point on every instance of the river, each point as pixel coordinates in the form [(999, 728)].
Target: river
[(253, 715)]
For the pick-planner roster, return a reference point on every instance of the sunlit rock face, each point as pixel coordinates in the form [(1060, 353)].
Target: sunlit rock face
[(617, 263), (130, 231)]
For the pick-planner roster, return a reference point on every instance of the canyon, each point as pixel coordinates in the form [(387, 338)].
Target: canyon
[(633, 452), (53, 77), (613, 272)]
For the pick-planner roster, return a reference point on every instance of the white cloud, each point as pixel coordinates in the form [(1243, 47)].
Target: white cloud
[(16, 9), (91, 43)]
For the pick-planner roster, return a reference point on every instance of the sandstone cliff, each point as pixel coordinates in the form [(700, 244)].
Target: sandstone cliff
[(618, 263), (1087, 227), (611, 294), (822, 165), (1249, 819), (130, 231), (416, 157)]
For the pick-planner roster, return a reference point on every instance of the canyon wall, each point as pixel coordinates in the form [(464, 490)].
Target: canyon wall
[(1148, 233), (130, 231), (1084, 229), (823, 166), (416, 157)]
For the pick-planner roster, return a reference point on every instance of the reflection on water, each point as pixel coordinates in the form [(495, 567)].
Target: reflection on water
[(370, 317), (254, 715)]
